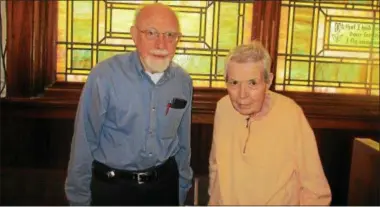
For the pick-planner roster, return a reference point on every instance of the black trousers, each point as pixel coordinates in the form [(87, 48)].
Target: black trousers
[(125, 192)]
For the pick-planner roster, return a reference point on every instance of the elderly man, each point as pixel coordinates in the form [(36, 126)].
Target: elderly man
[(131, 142), (264, 151)]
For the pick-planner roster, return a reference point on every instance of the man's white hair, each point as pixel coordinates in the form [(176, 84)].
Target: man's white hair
[(252, 52)]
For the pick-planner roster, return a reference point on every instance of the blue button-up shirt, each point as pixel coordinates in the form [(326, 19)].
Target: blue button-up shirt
[(122, 122)]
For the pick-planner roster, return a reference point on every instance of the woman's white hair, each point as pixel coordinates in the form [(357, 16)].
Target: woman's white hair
[(252, 52)]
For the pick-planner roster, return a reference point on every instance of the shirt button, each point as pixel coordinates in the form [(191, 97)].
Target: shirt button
[(154, 108)]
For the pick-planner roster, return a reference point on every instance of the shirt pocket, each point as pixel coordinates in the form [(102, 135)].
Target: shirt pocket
[(171, 123)]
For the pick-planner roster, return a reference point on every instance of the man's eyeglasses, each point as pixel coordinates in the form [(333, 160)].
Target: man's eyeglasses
[(153, 34)]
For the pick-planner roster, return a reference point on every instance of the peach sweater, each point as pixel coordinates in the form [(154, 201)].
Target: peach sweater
[(280, 166)]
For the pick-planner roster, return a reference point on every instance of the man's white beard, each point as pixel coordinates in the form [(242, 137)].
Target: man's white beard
[(157, 66)]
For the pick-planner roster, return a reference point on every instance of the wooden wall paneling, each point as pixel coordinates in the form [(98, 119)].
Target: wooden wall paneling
[(201, 138), (43, 147)]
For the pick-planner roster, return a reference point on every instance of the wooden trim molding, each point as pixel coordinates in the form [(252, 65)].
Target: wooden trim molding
[(330, 111)]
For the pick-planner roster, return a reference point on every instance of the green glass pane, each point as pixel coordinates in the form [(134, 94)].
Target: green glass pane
[(299, 70), (375, 74), (103, 55), (228, 25), (190, 23), (122, 20), (341, 72), (194, 63), (220, 65), (82, 24), (302, 30), (82, 59)]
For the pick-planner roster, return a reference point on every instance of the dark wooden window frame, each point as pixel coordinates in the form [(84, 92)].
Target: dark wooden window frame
[(33, 92)]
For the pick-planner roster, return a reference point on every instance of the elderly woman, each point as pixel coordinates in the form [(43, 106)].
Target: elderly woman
[(264, 151)]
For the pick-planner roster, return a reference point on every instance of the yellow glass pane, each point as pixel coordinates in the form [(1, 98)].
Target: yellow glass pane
[(201, 83), (122, 20), (220, 65), (61, 57), (278, 87), (218, 84), (228, 27), (341, 72), (102, 21), (186, 3), (194, 63), (76, 78), (302, 31), (192, 22), (319, 83), (85, 72), (195, 51), (209, 27), (375, 92), (118, 41), (340, 90), (80, 46), (321, 32), (82, 24), (375, 74), (215, 25), (137, 2), (103, 55), (62, 18), (298, 88), (299, 70), (348, 12), (299, 83), (303, 3), (61, 77), (280, 71), (247, 32), (353, 85)]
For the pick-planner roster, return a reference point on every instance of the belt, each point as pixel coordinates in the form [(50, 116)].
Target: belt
[(104, 172)]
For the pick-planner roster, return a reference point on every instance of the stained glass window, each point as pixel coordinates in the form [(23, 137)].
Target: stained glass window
[(329, 46), (91, 31)]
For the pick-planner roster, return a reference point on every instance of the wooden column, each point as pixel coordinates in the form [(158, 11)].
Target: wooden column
[(266, 21), (31, 28)]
